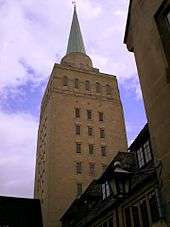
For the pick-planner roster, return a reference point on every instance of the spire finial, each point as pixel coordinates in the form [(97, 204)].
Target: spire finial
[(74, 3)]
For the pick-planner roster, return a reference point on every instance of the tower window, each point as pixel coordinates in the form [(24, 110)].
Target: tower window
[(98, 87), (101, 116), (77, 129), (102, 133), (77, 112), (65, 81), (76, 83), (79, 189), (92, 168), (78, 147), (78, 168), (89, 114), (87, 85), (108, 90), (90, 131), (91, 149), (103, 150)]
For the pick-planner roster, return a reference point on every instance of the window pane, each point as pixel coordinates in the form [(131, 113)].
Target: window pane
[(77, 113), (147, 152), (103, 191), (77, 129), (102, 133), (78, 147), (107, 189), (78, 168), (87, 85), (154, 207), (92, 168), (76, 83), (90, 131), (89, 114), (100, 116), (140, 157), (127, 217), (144, 213), (103, 151), (91, 149), (135, 214)]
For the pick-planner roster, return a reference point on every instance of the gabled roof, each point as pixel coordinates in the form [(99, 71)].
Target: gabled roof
[(75, 43)]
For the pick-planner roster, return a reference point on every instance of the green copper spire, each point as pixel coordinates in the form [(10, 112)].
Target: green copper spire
[(75, 42)]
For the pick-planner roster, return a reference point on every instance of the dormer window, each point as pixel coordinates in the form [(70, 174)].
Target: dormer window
[(106, 190)]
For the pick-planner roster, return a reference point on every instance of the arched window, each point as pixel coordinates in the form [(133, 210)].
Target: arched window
[(87, 85), (98, 87), (108, 90), (65, 81)]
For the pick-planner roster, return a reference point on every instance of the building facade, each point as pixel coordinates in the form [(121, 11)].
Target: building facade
[(148, 36), (81, 128), (104, 205)]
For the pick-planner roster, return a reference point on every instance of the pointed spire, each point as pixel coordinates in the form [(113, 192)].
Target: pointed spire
[(75, 43)]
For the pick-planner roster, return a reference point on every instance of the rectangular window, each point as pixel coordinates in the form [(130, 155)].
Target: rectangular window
[(90, 131), (76, 83), (108, 90), (127, 217), (106, 190), (92, 168), (78, 168), (101, 116), (102, 133), (135, 214), (89, 114), (78, 147), (77, 129), (79, 189), (98, 87), (140, 157), (147, 152), (144, 213), (65, 81), (77, 112), (87, 85), (153, 203), (91, 149), (103, 151)]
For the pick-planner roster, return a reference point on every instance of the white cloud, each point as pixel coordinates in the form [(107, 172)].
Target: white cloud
[(18, 133), (36, 33)]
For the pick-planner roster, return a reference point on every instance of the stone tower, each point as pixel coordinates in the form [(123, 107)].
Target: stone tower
[(81, 129)]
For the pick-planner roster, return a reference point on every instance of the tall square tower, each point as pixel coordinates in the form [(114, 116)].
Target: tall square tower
[(81, 129)]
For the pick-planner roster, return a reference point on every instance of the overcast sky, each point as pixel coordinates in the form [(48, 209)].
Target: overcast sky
[(33, 36)]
